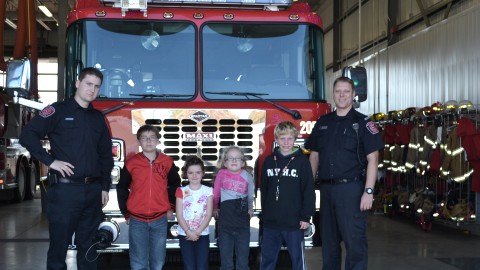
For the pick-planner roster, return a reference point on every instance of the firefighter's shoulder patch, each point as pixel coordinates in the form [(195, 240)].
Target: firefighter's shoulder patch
[(47, 111), (372, 128)]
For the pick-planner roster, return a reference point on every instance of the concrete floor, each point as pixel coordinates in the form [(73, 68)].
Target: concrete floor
[(394, 244)]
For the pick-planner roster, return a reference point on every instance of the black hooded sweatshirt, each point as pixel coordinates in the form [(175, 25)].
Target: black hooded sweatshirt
[(295, 199)]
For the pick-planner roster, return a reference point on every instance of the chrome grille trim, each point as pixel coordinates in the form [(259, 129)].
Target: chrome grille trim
[(181, 136)]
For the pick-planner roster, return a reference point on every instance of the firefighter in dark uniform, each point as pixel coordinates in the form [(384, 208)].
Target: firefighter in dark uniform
[(80, 165), (344, 148)]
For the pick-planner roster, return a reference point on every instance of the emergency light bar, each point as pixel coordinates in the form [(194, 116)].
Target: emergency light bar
[(127, 5), (142, 4)]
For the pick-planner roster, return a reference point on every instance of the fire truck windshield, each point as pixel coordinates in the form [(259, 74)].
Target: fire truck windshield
[(272, 59), (136, 57), (159, 59)]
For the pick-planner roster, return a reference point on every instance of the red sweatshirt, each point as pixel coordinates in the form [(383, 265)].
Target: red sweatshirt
[(146, 191)]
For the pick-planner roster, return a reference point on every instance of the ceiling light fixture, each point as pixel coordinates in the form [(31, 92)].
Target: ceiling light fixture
[(45, 11), (12, 24), (44, 25)]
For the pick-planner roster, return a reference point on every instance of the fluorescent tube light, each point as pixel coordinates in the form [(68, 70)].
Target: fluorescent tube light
[(12, 24), (45, 11), (44, 25)]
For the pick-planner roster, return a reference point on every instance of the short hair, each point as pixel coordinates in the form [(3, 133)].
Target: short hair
[(146, 128), (286, 127), (192, 161), (90, 71), (344, 79), (223, 156)]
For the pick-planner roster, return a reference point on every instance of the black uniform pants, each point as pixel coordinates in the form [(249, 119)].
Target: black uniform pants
[(73, 208), (342, 220)]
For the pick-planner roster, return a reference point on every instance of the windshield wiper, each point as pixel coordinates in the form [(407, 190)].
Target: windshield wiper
[(142, 96), (294, 113)]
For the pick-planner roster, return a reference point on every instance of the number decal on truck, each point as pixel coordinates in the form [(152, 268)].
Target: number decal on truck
[(306, 127)]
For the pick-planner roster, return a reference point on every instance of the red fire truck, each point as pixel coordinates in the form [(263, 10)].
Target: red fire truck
[(19, 172), (208, 73)]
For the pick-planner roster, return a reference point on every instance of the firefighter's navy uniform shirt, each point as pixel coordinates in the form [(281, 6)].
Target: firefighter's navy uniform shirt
[(77, 135), (336, 140), (80, 137), (341, 219)]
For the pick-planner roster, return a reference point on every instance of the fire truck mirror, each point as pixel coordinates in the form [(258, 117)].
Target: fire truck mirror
[(19, 77), (358, 75)]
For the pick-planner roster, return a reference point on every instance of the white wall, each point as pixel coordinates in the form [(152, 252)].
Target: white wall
[(438, 63)]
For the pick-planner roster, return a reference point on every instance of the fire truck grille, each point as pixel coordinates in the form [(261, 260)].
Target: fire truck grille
[(180, 138)]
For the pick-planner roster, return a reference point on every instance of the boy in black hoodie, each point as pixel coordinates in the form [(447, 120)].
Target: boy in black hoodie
[(287, 197)]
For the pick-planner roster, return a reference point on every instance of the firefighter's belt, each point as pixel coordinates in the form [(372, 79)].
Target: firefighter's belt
[(337, 181), (86, 180)]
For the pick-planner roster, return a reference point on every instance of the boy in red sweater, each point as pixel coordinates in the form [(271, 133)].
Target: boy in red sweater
[(146, 198)]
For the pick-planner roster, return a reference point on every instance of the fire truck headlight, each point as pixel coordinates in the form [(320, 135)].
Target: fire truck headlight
[(307, 233), (115, 175), (174, 230)]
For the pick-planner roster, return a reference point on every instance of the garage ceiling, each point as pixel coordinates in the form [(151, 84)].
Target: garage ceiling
[(44, 22)]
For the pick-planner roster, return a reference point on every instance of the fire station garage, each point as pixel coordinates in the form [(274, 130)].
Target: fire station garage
[(210, 74)]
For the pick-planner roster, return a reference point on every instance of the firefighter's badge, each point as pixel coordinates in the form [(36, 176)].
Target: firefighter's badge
[(372, 127), (47, 111)]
